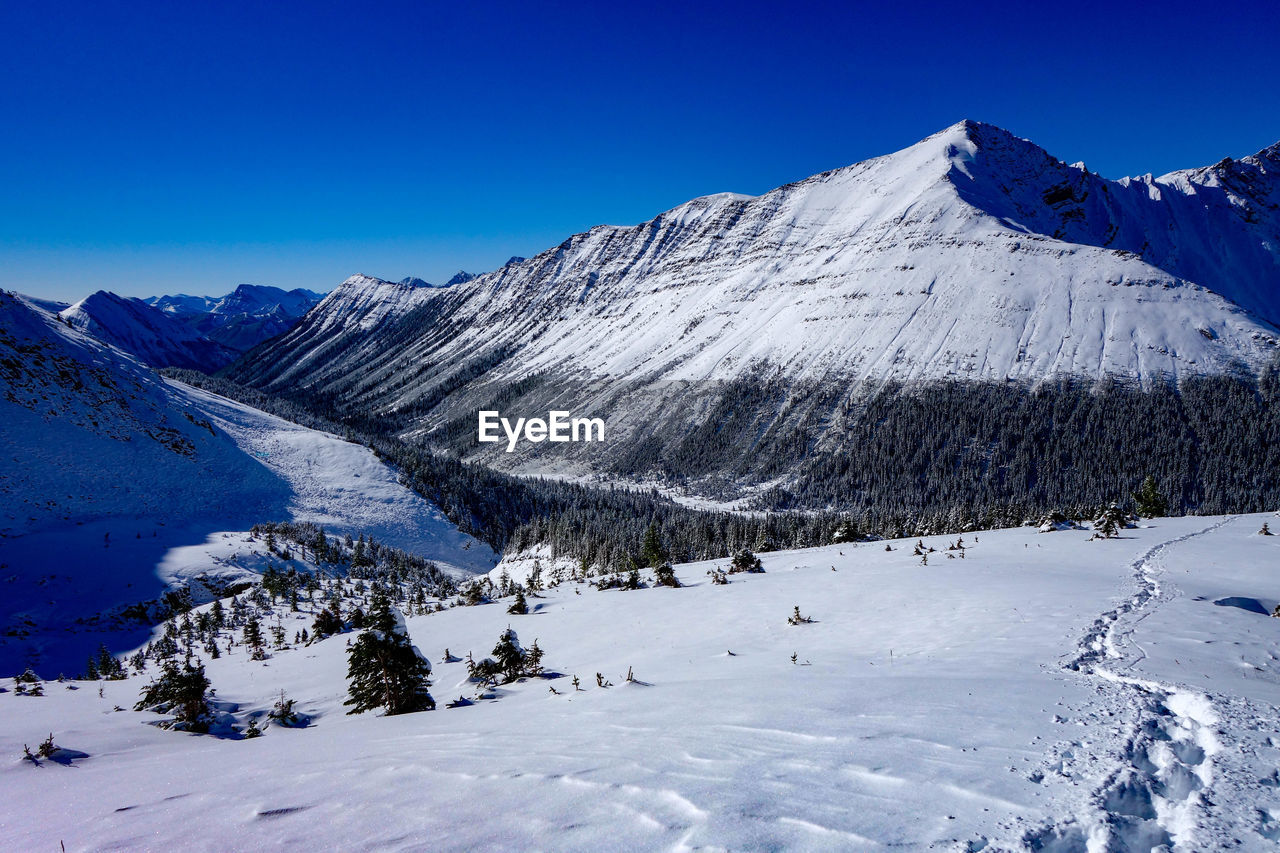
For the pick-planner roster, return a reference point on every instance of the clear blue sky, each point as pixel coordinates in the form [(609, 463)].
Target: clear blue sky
[(166, 147)]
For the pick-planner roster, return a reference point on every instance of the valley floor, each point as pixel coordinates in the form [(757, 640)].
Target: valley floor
[(1040, 692)]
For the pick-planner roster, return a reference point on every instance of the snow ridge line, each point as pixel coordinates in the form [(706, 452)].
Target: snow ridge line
[(1156, 791)]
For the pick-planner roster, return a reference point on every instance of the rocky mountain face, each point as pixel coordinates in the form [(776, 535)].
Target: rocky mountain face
[(972, 256)]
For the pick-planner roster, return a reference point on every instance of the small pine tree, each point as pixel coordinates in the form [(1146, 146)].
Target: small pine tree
[(1109, 523), (252, 730), (509, 656), (184, 692), (283, 713), (1265, 531), (665, 575), (745, 561), (533, 661), (796, 619), (520, 606), (252, 638)]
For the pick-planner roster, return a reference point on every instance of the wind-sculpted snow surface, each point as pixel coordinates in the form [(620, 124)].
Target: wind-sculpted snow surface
[(924, 707)]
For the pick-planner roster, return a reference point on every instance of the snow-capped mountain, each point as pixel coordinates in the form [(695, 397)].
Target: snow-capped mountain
[(260, 300), (158, 338), (181, 303), (972, 255), (242, 319)]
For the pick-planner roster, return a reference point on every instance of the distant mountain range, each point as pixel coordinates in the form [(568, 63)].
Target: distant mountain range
[(195, 332), (203, 333)]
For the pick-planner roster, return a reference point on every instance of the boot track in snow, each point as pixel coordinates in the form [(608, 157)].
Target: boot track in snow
[(1154, 794)]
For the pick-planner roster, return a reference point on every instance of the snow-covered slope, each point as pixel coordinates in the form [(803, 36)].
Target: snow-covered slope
[(157, 338), (1041, 692), (971, 255), (105, 469), (53, 306)]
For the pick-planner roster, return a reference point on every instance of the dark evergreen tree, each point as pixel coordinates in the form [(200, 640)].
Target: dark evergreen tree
[(519, 606), (1150, 502), (509, 656), (665, 575), (384, 670), (252, 638), (327, 623), (652, 554), (1109, 522), (745, 561)]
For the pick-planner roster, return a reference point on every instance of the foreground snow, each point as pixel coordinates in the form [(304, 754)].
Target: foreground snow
[(1042, 692)]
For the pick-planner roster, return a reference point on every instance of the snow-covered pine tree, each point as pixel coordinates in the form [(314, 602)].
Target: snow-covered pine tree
[(385, 670), (183, 692), (1109, 522), (665, 575), (519, 606), (745, 561), (509, 656)]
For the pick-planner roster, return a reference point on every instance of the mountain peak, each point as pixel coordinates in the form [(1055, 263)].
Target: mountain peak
[(460, 277)]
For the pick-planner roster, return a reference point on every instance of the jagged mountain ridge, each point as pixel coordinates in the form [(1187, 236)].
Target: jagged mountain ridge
[(970, 256)]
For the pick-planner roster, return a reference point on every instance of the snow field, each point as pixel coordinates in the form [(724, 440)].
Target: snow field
[(928, 705)]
